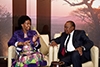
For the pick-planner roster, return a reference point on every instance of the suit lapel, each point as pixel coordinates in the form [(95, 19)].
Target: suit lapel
[(21, 35), (63, 40), (74, 36)]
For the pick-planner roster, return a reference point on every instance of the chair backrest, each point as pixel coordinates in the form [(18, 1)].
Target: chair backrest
[(44, 41), (95, 56), (94, 53), (45, 37), (57, 35)]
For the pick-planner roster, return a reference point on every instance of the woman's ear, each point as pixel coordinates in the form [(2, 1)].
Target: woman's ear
[(22, 25)]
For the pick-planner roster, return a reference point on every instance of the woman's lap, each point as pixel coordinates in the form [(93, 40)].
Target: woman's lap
[(35, 59)]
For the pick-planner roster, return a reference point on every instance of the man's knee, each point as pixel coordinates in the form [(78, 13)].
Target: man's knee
[(75, 55)]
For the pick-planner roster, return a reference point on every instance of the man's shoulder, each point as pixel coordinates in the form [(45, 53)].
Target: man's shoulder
[(32, 31), (79, 31), (63, 33)]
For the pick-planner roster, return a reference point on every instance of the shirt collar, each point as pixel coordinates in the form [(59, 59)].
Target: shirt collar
[(72, 32)]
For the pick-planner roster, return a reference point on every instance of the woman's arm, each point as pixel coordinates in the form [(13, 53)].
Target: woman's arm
[(13, 40), (35, 40)]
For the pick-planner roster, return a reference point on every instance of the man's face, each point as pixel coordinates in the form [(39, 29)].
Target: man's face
[(68, 28)]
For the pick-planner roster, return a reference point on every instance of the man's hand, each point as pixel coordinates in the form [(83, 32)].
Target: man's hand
[(53, 43), (79, 50)]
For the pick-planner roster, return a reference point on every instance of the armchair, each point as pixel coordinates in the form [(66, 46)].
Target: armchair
[(45, 50), (94, 55)]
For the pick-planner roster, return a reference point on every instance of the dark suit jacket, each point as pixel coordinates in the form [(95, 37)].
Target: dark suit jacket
[(79, 39), (18, 36)]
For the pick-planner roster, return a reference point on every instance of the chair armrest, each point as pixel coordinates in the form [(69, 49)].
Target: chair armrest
[(50, 54), (44, 41), (95, 56), (56, 48), (45, 38), (56, 53), (11, 55)]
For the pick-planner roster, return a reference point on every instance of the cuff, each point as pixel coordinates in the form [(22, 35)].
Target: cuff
[(83, 48), (51, 42), (36, 44), (16, 44)]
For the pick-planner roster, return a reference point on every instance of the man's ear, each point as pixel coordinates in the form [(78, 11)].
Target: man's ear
[(72, 27)]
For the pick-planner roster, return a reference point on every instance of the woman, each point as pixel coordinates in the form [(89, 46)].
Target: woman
[(27, 44)]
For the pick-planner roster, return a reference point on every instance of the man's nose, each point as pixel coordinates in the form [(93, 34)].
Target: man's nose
[(29, 25)]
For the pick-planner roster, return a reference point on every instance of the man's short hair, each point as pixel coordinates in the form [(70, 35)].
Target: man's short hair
[(73, 24)]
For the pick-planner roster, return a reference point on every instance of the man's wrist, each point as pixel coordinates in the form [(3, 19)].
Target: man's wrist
[(51, 42), (83, 48)]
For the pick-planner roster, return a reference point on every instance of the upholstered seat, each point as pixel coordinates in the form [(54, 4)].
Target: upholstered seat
[(45, 50), (94, 55)]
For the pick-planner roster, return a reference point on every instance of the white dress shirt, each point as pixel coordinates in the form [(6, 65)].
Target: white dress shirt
[(70, 46)]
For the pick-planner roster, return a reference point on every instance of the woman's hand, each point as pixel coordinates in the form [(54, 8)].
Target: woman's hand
[(27, 43), (24, 43), (35, 38)]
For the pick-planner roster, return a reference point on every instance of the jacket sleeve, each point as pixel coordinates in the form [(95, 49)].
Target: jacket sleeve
[(13, 40), (87, 43), (58, 39), (38, 42)]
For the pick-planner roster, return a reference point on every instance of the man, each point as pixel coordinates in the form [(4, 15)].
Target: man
[(74, 45)]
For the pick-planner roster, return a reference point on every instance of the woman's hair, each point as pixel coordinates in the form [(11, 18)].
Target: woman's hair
[(22, 20)]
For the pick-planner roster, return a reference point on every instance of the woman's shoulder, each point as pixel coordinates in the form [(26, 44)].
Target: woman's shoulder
[(32, 32), (18, 31)]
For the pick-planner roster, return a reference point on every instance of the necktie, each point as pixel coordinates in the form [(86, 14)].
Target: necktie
[(67, 42), (63, 50)]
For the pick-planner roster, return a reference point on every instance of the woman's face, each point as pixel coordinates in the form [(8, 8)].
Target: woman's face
[(26, 25)]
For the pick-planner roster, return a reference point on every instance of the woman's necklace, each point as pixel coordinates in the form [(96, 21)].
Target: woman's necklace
[(25, 35)]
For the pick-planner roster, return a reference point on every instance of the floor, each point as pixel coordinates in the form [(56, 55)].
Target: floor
[(3, 62)]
